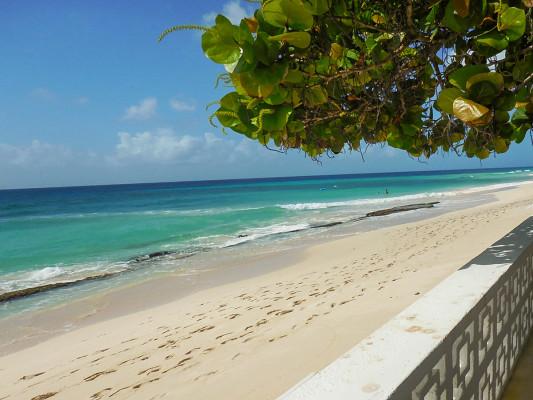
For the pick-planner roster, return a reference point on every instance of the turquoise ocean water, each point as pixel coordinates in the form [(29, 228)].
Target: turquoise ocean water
[(67, 234)]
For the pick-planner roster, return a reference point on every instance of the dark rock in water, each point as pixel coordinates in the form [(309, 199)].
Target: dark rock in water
[(326, 225), (17, 294), (398, 209), (152, 255)]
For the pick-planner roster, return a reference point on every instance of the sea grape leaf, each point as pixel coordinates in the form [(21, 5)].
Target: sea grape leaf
[(299, 17), (495, 78), (318, 7), (293, 13), (519, 116), (452, 21), (462, 7), (459, 77), (506, 102), (218, 42), (468, 110), (496, 40), (277, 120), (315, 96), (446, 99), (485, 87), (230, 101), (273, 13), (297, 39), (513, 22)]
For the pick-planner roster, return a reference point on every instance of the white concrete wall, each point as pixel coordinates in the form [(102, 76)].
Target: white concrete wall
[(459, 341)]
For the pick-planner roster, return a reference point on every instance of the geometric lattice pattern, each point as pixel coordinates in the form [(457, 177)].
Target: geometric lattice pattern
[(477, 359)]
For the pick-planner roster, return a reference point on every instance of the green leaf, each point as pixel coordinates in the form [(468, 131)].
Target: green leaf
[(459, 77), (295, 126), (273, 13), (278, 96), (315, 96), (218, 42), (506, 102), (294, 76), (277, 120), (395, 139), (484, 87), (494, 78), (523, 68), (519, 117), (453, 21), (501, 116), (293, 13), (496, 40), (513, 22), (266, 51), (483, 153), (297, 39), (299, 17), (318, 7), (409, 129), (467, 110), (230, 102), (446, 99)]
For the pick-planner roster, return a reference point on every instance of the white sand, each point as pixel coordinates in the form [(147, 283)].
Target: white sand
[(256, 338)]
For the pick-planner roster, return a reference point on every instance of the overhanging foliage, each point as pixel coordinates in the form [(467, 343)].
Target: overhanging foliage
[(422, 76)]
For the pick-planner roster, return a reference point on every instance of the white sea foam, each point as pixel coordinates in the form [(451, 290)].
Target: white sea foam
[(256, 233), (57, 274), (397, 199), (45, 274), (369, 201)]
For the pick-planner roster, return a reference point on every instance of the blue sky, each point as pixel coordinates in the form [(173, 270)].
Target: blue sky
[(88, 96)]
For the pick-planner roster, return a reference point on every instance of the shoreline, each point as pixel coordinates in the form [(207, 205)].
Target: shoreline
[(32, 290), (257, 336), (31, 327), (143, 262)]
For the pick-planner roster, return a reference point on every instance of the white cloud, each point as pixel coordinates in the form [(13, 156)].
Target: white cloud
[(43, 94), (179, 105), (232, 10), (82, 100), (142, 111), (36, 154), (165, 147)]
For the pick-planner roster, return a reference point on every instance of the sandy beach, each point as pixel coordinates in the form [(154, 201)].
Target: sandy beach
[(255, 337)]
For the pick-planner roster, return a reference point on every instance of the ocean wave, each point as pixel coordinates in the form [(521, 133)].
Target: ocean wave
[(408, 197), (185, 213), (495, 186), (51, 275), (221, 241), (368, 201)]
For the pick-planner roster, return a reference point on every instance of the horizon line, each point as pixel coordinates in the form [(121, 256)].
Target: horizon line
[(262, 178)]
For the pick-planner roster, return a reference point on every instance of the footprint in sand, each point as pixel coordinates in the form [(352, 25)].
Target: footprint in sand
[(27, 377), (44, 396), (98, 374)]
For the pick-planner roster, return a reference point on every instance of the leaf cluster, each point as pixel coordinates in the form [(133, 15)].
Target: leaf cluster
[(423, 76)]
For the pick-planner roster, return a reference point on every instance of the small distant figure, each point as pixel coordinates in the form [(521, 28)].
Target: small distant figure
[(386, 191)]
